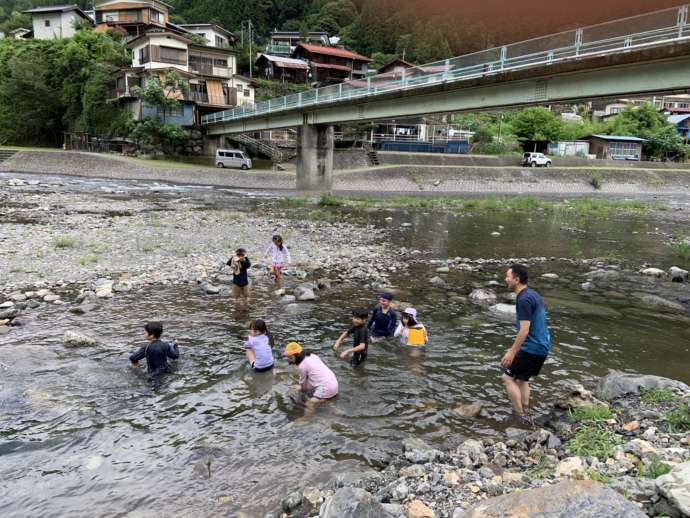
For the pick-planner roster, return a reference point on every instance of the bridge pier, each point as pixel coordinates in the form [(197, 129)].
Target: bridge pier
[(315, 157)]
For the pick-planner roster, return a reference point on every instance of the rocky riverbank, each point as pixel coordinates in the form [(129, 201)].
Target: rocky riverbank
[(622, 451)]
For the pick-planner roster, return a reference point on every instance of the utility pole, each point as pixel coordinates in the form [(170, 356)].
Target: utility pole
[(251, 55)]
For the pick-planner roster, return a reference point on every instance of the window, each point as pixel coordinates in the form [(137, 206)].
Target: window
[(47, 23), (623, 148), (177, 111), (156, 17), (223, 63), (144, 55), (683, 105), (615, 110), (247, 92), (111, 17), (173, 56), (239, 89), (220, 42)]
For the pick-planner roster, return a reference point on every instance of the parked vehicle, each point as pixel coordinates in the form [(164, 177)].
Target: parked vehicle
[(233, 158), (535, 160)]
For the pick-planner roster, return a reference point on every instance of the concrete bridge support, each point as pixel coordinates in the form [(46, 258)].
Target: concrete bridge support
[(315, 157)]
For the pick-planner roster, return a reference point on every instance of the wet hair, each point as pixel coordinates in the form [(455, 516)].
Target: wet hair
[(299, 358), (240, 251), (278, 240), (260, 326), (520, 271), (411, 322), (155, 329), (360, 313)]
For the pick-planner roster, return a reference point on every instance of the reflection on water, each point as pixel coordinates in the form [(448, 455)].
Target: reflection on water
[(86, 429)]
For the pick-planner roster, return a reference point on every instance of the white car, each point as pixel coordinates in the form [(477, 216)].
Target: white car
[(233, 158), (535, 160)]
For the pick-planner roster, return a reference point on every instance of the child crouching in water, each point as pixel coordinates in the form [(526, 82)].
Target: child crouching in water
[(258, 346), (410, 331), (314, 375)]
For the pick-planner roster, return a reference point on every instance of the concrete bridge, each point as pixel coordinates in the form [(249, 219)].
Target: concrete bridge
[(645, 54)]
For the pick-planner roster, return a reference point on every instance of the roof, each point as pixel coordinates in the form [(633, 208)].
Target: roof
[(331, 51), (172, 35), (620, 138), (100, 4), (396, 61), (243, 78), (58, 9), (285, 62), (297, 33), (212, 26), (676, 119)]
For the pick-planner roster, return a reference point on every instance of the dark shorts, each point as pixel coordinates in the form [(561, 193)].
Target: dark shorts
[(357, 358), (525, 365), (263, 369)]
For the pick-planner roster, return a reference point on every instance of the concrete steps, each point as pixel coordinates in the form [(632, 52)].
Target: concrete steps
[(6, 154)]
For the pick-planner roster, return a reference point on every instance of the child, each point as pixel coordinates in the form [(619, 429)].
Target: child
[(280, 257), (383, 318), (360, 337), (259, 354), (410, 331), (313, 373), (156, 352), (239, 264)]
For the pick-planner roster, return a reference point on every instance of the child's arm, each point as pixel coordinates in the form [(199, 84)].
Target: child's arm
[(398, 330), (340, 339), (392, 320), (426, 336), (303, 379), (173, 351), (140, 354), (357, 349), (288, 259)]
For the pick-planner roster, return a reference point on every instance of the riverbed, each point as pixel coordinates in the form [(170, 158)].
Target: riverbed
[(81, 433)]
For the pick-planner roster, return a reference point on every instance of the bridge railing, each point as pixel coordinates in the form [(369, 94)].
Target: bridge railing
[(618, 36)]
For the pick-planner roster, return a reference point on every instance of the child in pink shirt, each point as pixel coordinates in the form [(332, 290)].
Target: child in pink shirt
[(313, 373)]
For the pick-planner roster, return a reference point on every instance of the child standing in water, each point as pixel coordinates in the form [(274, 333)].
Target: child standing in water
[(259, 353), (410, 331), (156, 351), (239, 264), (360, 338), (280, 257)]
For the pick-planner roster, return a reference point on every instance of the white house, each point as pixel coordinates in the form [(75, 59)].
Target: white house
[(58, 21), (215, 35), (245, 90)]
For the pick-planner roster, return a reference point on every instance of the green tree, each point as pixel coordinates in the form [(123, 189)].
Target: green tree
[(163, 95), (536, 124)]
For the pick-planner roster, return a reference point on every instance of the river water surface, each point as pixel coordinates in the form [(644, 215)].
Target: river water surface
[(81, 434)]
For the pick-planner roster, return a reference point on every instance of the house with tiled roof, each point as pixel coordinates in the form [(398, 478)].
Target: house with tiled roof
[(330, 65)]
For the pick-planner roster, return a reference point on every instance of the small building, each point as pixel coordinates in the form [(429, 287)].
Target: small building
[(578, 148), (616, 147), (245, 90), (283, 69), (681, 122), (133, 18), (396, 66), (330, 65), (215, 35), (283, 43), (57, 21)]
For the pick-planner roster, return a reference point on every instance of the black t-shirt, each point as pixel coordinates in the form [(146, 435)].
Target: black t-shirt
[(360, 335), (156, 354)]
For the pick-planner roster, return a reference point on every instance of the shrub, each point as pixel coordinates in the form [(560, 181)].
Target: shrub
[(593, 440), (656, 467), (65, 241), (596, 181), (656, 395), (329, 200), (85, 260), (591, 414), (678, 419), (681, 250)]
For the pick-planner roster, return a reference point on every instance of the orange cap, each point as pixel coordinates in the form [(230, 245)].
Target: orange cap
[(292, 348)]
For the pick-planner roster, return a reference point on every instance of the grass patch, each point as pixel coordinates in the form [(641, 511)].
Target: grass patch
[(678, 419), (596, 181), (682, 250), (656, 467), (86, 260), (593, 474), (64, 242), (591, 414), (593, 440), (656, 395), (329, 200), (541, 470)]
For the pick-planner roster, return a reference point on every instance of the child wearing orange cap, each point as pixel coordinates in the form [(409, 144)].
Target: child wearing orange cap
[(314, 375)]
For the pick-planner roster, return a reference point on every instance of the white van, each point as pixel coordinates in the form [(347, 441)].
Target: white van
[(233, 158)]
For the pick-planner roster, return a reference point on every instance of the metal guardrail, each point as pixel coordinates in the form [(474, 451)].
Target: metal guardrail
[(618, 36)]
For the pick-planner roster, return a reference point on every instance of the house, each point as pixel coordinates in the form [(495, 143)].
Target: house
[(681, 122), (283, 69), (283, 43), (215, 35), (210, 72), (395, 67), (569, 148), (331, 65), (57, 21), (616, 147), (675, 104), (133, 18)]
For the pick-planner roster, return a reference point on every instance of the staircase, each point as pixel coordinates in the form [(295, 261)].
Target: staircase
[(260, 147), (6, 154), (372, 154)]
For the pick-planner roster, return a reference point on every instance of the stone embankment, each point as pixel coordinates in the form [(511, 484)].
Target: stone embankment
[(621, 452)]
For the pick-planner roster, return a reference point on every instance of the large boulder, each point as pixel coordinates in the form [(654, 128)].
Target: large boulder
[(482, 296), (617, 384), (582, 498), (352, 502), (675, 488), (76, 339), (419, 452), (302, 293)]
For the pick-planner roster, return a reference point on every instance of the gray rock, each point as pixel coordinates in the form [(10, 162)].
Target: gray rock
[(482, 296), (288, 299), (18, 297), (292, 501), (210, 289), (603, 275), (7, 304), (350, 502), (394, 510), (636, 489), (77, 339), (9, 313), (33, 304), (468, 409), (400, 492), (617, 384), (581, 499), (660, 302), (419, 452), (675, 487), (503, 310), (302, 293), (122, 287), (678, 274), (474, 449), (587, 286), (438, 282), (203, 467)]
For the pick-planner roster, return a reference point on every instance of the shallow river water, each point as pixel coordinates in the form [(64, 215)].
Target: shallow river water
[(81, 434)]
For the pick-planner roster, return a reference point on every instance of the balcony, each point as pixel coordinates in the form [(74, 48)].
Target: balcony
[(285, 50), (122, 18)]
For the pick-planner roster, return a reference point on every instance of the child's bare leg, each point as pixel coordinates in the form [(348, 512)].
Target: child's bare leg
[(310, 407), (276, 272), (251, 357)]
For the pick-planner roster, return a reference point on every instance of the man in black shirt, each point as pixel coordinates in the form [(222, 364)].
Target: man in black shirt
[(360, 338), (156, 352)]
